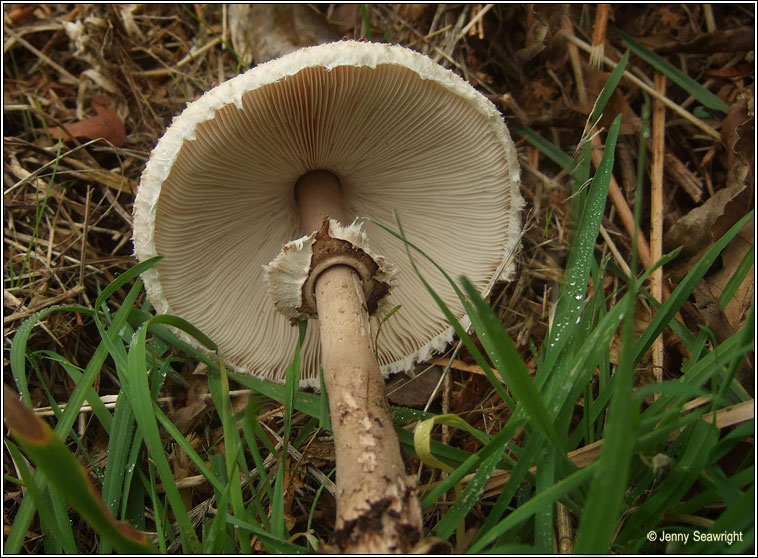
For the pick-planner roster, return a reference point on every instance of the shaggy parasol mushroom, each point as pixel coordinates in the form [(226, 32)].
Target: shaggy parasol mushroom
[(303, 145)]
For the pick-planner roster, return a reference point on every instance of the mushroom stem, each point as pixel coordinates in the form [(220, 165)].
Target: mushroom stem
[(319, 196), (378, 510), (377, 507)]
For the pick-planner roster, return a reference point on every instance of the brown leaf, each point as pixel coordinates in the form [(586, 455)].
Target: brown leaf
[(594, 82), (19, 13), (415, 13), (413, 392), (536, 36), (106, 124), (261, 32), (738, 131), (720, 40), (697, 230), (22, 421), (740, 70), (196, 403), (470, 397), (732, 256)]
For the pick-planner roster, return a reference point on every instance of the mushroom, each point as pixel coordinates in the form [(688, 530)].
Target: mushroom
[(298, 148)]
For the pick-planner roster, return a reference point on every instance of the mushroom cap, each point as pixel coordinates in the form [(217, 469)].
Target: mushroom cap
[(401, 133)]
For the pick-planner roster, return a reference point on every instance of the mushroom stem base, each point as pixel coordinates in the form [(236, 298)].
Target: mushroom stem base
[(378, 510)]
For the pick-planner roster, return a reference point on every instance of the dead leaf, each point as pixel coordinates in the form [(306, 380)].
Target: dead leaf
[(470, 397), (720, 40), (19, 13), (536, 35), (668, 19), (594, 82), (106, 124), (196, 403), (542, 91), (687, 180), (736, 310), (697, 230), (413, 392), (737, 71), (738, 131), (261, 32), (346, 18), (414, 13)]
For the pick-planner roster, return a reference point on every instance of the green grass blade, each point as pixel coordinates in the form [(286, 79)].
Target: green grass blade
[(64, 472), (213, 541), (748, 334), (277, 545), (737, 277), (124, 278), (544, 516), (550, 150), (18, 347), (701, 439), (460, 331), (304, 402), (734, 525), (135, 384), (119, 448), (469, 496), (466, 500), (574, 285), (219, 387), (291, 384), (465, 461), (605, 499), (25, 512), (366, 21), (324, 420), (608, 89), (76, 374), (48, 520), (520, 476), (508, 362), (685, 288), (692, 87), (526, 510)]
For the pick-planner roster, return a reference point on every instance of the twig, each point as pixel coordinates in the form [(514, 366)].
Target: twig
[(598, 35), (85, 231), (564, 528), (188, 58), (474, 20), (447, 51), (74, 292), (653, 93), (576, 66), (710, 21), (656, 212), (66, 77), (625, 214), (615, 251)]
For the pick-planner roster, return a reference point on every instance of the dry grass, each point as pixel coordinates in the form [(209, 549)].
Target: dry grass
[(67, 208)]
